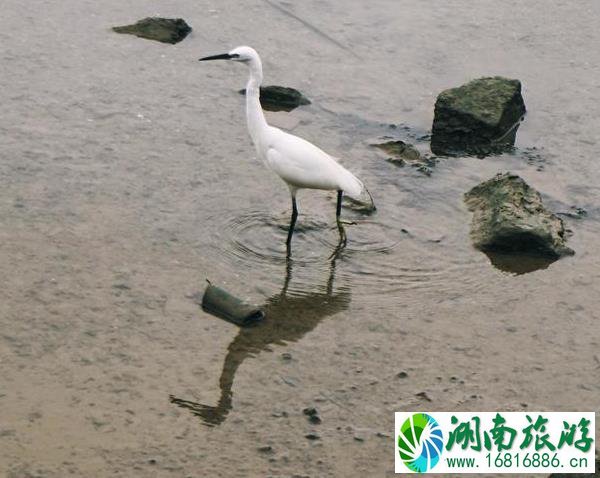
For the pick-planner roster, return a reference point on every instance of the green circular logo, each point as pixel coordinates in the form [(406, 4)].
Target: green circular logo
[(420, 442)]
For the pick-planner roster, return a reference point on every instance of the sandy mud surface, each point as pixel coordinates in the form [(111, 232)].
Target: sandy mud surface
[(127, 178)]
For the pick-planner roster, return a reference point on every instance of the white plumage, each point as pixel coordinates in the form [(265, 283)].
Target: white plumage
[(299, 163), (302, 165)]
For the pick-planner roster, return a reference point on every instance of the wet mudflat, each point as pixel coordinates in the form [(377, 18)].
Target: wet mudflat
[(127, 178)]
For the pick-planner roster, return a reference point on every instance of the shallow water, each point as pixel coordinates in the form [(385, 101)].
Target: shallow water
[(127, 178)]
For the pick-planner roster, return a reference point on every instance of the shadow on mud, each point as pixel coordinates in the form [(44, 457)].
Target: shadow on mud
[(288, 317)]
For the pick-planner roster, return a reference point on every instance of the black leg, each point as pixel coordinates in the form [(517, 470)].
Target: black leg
[(288, 243), (338, 212)]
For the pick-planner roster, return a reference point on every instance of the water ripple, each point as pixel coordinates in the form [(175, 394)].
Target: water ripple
[(379, 260)]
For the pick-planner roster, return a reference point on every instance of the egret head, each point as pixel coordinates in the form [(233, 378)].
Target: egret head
[(243, 54)]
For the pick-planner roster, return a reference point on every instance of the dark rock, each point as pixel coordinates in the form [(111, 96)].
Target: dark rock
[(312, 436), (401, 374), (165, 30), (313, 415), (480, 117), (265, 449), (280, 98), (424, 396), (509, 217)]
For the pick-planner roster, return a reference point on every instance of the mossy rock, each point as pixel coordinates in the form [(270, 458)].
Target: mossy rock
[(165, 30), (400, 150), (509, 217), (401, 153), (280, 98), (478, 118)]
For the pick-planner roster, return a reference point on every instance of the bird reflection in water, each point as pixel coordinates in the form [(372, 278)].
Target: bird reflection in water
[(288, 317)]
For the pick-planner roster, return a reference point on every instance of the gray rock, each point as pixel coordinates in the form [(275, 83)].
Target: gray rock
[(165, 30), (280, 98), (480, 117), (509, 217)]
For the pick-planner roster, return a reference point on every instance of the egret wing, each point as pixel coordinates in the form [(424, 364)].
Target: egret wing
[(302, 164)]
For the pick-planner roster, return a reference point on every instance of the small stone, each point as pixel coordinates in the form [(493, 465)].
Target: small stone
[(152, 461), (402, 374), (164, 30), (313, 415), (358, 438), (280, 98), (575, 213), (400, 150), (121, 286), (265, 449), (312, 436), (422, 168), (289, 381), (286, 356), (424, 396)]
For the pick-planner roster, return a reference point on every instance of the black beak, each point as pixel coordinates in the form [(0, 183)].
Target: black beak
[(223, 56)]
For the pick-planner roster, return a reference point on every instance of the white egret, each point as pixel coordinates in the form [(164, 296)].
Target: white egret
[(299, 163)]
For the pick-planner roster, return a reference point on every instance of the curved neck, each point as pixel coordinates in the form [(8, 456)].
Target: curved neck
[(254, 113)]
